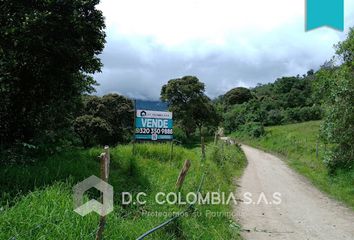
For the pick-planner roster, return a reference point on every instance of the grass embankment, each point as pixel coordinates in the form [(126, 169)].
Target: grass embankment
[(296, 143), (36, 201)]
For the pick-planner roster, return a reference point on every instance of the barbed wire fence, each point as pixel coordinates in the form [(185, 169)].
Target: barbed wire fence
[(177, 215)]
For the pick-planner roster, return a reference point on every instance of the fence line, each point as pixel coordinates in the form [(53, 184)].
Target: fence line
[(190, 206)]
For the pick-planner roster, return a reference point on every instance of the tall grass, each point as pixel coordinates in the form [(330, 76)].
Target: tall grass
[(297, 144), (36, 200)]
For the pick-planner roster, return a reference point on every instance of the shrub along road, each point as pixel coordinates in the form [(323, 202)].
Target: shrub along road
[(304, 211)]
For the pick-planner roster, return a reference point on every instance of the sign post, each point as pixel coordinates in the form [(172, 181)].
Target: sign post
[(152, 122)]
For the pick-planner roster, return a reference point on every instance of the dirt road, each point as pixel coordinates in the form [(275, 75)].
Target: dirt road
[(303, 213)]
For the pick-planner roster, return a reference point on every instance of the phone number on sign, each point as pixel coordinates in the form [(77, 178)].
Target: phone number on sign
[(153, 131)]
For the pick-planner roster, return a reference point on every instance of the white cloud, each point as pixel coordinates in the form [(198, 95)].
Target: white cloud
[(173, 22), (226, 43)]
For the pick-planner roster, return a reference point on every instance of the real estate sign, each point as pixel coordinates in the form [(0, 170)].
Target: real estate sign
[(153, 124)]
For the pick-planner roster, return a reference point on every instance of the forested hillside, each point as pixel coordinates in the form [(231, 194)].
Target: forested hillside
[(287, 100)]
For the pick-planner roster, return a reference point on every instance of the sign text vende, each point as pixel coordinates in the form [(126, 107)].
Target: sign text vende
[(154, 123)]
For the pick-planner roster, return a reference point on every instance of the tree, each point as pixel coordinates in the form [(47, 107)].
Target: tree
[(205, 114), (47, 51), (235, 117), (114, 110), (345, 49), (237, 95), (338, 127), (120, 114), (92, 130), (274, 117), (190, 106)]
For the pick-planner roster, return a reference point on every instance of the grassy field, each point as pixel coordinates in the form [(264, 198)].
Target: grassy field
[(36, 200), (296, 144)]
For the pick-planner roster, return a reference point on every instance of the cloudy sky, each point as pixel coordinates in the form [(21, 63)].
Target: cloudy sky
[(225, 43)]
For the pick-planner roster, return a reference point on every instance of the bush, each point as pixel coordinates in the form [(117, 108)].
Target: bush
[(19, 153), (116, 111), (235, 118), (179, 134), (338, 128), (294, 115), (339, 157), (274, 117), (310, 113), (291, 115), (92, 130), (253, 129)]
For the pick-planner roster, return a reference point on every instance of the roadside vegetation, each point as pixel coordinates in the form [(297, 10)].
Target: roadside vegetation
[(301, 147), (36, 200)]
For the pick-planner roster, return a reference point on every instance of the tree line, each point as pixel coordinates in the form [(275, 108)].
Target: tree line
[(287, 100)]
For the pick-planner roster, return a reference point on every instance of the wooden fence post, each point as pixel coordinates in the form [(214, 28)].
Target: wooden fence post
[(105, 162), (183, 174)]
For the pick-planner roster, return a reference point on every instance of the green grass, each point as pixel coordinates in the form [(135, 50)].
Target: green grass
[(296, 144), (36, 200)]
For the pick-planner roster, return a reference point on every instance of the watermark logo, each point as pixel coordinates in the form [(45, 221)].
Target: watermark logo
[(208, 198), (161, 198), (93, 205)]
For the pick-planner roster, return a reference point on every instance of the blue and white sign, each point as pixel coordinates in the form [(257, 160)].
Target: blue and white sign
[(153, 125)]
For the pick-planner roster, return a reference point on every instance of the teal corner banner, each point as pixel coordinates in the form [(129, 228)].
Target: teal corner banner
[(321, 13)]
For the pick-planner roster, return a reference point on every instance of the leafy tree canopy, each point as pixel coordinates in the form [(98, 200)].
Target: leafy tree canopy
[(237, 95), (111, 115), (287, 100), (191, 107), (336, 87), (47, 49)]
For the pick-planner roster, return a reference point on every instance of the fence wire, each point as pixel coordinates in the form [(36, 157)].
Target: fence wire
[(165, 223)]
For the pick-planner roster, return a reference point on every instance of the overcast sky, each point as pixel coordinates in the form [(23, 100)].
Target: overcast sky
[(225, 43)]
